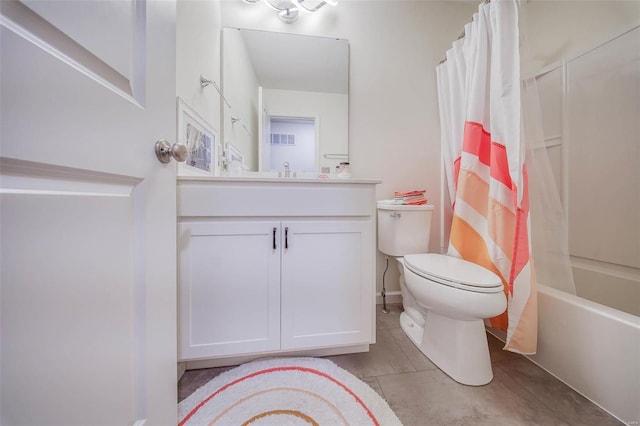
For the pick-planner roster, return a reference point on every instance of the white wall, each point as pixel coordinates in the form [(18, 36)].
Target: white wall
[(393, 110), (332, 109), (198, 29), (558, 28)]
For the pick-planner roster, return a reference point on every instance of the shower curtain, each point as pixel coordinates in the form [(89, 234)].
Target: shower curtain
[(484, 160)]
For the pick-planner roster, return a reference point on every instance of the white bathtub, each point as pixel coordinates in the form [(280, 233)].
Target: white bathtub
[(592, 348)]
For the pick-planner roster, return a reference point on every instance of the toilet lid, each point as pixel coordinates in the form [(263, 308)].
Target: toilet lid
[(454, 272)]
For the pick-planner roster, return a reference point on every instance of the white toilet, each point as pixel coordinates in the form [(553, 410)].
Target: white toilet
[(445, 299)]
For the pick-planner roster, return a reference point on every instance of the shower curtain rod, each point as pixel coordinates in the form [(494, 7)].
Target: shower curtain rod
[(461, 35)]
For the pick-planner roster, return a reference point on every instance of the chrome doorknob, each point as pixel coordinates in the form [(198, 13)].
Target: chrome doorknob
[(164, 151)]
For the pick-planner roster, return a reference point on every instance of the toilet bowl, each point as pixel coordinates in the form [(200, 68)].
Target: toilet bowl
[(445, 299)]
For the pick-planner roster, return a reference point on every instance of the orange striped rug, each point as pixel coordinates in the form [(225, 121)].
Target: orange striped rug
[(286, 391)]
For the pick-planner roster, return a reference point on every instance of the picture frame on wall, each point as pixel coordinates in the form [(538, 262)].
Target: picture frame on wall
[(201, 140), (233, 154)]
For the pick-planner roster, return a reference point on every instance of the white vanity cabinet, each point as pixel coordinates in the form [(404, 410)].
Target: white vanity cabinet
[(229, 288), (274, 267), (326, 283)]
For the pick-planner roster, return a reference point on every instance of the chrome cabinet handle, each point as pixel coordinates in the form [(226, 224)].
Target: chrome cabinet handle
[(164, 151), (274, 238), (286, 237)]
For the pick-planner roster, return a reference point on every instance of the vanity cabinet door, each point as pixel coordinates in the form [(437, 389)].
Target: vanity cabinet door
[(327, 270), (229, 288)]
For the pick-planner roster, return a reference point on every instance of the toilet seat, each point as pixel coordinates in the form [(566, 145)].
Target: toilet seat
[(453, 272)]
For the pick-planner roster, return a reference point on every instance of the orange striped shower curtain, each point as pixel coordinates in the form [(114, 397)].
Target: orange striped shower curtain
[(483, 153)]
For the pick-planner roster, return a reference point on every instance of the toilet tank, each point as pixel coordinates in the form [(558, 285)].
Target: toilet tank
[(404, 229)]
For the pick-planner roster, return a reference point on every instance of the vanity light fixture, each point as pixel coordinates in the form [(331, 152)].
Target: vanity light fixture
[(288, 10), (204, 82), (235, 120)]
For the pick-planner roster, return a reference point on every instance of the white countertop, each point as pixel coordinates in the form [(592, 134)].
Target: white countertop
[(257, 179)]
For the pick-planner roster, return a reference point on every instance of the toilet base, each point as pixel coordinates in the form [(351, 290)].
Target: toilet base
[(459, 348)]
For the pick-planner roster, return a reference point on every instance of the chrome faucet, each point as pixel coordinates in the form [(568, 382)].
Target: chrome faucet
[(287, 172)]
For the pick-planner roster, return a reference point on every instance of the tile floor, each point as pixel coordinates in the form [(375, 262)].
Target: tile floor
[(420, 394)]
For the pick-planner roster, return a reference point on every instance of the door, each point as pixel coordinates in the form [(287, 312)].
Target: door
[(229, 288), (293, 140), (88, 306), (326, 283)]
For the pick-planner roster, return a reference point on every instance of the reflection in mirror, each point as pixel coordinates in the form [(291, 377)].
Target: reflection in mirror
[(289, 97)]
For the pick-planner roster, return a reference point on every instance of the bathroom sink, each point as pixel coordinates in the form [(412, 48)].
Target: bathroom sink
[(280, 175), (259, 175)]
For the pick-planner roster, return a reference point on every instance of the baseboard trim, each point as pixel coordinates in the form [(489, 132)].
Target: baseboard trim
[(392, 297), (182, 367), (237, 360)]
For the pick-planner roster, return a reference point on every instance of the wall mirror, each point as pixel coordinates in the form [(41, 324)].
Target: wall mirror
[(287, 99)]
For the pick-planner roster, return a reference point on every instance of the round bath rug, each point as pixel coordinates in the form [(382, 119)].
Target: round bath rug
[(286, 391)]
